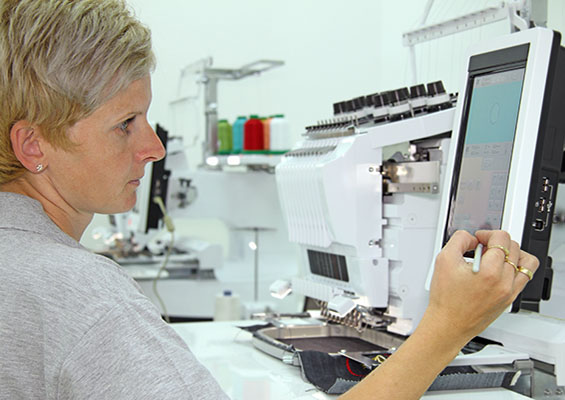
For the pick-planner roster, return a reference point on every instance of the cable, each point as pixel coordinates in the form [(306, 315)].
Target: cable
[(163, 266), (171, 228), (168, 221)]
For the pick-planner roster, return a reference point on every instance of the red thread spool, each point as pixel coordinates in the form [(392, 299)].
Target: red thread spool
[(253, 135)]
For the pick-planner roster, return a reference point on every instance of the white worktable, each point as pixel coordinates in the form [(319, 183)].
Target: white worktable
[(246, 373), (194, 298)]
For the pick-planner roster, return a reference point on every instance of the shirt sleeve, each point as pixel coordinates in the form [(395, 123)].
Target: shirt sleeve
[(130, 353)]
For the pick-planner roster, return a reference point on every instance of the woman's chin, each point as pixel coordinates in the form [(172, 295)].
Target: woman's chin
[(120, 207)]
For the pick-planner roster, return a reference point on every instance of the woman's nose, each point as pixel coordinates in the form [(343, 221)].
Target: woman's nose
[(152, 149)]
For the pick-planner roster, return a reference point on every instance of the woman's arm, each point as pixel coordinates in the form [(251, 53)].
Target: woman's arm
[(462, 304)]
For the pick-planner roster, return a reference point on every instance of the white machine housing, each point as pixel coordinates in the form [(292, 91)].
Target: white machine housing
[(358, 216)]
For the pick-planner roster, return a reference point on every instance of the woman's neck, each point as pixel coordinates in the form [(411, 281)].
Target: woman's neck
[(68, 219)]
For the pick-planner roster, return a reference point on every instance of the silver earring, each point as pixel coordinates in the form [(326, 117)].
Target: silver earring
[(39, 167)]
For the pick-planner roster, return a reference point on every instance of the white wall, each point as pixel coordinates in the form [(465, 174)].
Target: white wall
[(333, 51)]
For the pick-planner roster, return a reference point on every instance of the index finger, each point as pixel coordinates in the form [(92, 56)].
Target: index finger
[(460, 243)]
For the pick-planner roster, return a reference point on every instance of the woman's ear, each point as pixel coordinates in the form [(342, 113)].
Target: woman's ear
[(27, 144)]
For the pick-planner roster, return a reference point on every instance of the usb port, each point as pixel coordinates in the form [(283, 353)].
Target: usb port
[(545, 184), (540, 204), (538, 225)]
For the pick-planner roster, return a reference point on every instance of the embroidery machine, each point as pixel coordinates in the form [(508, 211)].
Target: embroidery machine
[(373, 194)]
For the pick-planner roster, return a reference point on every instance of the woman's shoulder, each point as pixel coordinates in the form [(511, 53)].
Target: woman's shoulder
[(45, 266), (96, 272)]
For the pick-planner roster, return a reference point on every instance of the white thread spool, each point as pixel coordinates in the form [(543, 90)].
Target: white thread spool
[(227, 306), (280, 134)]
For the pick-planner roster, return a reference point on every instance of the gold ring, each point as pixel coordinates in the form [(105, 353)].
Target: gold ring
[(526, 272), (498, 246), (511, 263)]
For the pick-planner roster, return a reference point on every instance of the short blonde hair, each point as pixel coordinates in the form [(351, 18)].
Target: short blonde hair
[(62, 59)]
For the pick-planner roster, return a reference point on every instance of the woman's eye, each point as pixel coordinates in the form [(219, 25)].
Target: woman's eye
[(125, 124)]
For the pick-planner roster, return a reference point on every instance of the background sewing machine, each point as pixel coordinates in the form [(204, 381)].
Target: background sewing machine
[(247, 252), (229, 232), (137, 242)]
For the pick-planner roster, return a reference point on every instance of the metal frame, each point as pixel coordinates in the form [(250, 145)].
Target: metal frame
[(519, 12), (210, 77)]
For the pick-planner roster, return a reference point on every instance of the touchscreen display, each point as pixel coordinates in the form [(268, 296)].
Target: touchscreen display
[(478, 202)]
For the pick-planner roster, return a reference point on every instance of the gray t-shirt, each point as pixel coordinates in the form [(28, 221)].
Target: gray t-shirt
[(73, 325)]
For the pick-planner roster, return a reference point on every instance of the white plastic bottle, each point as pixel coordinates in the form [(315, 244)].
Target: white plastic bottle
[(227, 306)]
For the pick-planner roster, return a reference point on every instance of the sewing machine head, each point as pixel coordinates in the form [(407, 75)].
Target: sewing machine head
[(353, 192)]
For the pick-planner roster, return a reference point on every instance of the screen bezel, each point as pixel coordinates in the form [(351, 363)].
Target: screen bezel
[(516, 58), (538, 111)]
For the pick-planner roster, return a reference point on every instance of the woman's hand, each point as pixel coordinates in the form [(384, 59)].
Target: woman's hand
[(468, 302), (462, 304)]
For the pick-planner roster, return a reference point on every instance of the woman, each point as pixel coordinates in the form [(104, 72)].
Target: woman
[(74, 140), (75, 89)]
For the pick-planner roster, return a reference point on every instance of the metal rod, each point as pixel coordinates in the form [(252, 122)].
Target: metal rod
[(425, 16), (455, 25), (427, 10), (413, 65), (210, 145), (256, 269)]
